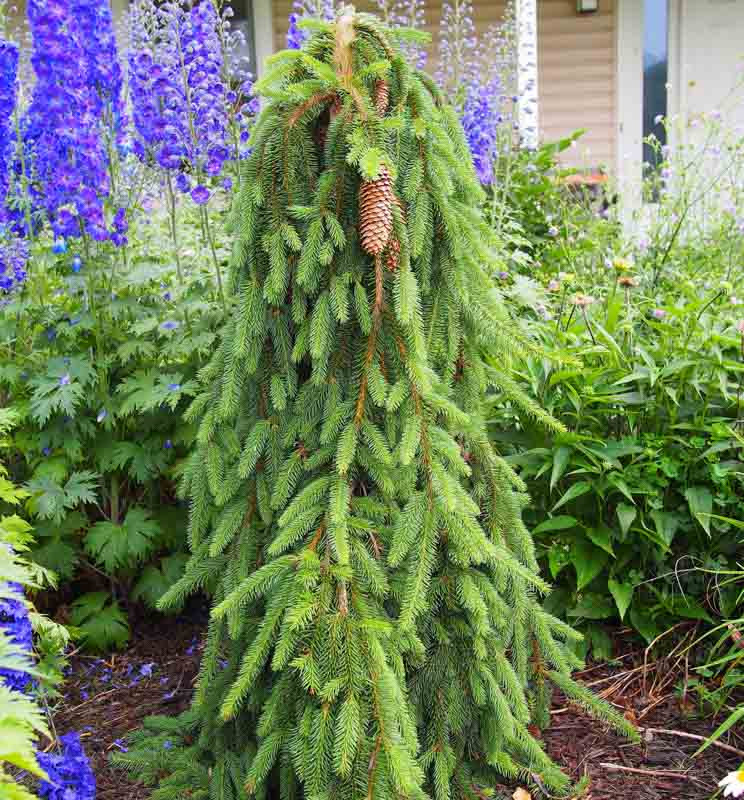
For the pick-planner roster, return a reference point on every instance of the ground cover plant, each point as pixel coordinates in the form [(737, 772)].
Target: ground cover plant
[(376, 595)]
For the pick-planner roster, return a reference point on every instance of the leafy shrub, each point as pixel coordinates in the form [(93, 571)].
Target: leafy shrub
[(642, 362), (100, 358)]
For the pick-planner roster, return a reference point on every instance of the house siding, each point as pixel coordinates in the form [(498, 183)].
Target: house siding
[(576, 74)]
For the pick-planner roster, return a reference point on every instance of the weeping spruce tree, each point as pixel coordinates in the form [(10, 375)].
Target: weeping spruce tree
[(377, 630)]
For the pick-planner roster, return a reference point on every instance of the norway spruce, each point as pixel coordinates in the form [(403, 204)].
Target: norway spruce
[(377, 629)]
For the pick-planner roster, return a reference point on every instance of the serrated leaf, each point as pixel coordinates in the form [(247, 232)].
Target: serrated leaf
[(115, 545), (101, 621)]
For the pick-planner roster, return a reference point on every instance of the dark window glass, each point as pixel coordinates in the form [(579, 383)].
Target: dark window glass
[(655, 73), (243, 22)]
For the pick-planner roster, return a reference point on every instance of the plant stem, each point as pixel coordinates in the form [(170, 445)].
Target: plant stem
[(173, 225), (210, 241)]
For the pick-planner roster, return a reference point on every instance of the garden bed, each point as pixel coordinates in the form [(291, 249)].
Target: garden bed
[(107, 698)]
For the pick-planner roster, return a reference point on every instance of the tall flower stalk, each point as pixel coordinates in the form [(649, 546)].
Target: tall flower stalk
[(77, 95), (190, 120), (13, 250)]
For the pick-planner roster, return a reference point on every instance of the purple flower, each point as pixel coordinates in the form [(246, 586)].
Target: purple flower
[(167, 744), (146, 669), (59, 246), (200, 195), (65, 379), (227, 184), (16, 624), (77, 263), (182, 106), (170, 695), (169, 325), (46, 452), (553, 231), (174, 387), (13, 259), (70, 774), (658, 313), (76, 105), (168, 444), (8, 94)]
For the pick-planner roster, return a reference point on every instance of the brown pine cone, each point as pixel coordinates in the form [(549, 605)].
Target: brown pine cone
[(393, 255), (381, 96), (376, 200)]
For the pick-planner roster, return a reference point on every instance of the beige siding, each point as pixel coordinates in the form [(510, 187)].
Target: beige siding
[(576, 62), (576, 55)]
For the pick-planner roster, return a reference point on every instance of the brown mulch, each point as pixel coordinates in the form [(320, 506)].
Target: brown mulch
[(107, 698)]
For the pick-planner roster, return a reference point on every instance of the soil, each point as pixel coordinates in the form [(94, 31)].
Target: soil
[(107, 698)]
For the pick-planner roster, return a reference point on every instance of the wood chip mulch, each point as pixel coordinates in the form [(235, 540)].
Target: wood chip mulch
[(106, 698)]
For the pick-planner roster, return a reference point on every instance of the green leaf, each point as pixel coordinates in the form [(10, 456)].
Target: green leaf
[(622, 594), (700, 501), (588, 560), (626, 515), (666, 523), (561, 458), (602, 537), (156, 580), (559, 523), (582, 487), (558, 558), (102, 623), (732, 719), (123, 545), (592, 606)]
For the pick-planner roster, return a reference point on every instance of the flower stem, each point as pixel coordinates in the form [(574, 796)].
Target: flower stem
[(217, 268)]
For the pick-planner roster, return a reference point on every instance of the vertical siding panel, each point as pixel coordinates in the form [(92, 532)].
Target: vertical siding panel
[(576, 61)]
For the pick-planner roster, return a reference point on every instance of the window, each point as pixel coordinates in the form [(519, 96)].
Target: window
[(243, 22), (655, 73)]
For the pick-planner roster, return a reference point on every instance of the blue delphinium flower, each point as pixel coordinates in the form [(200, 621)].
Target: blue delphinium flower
[(481, 117), (70, 774), (76, 102), (8, 95), (13, 260), (307, 9), (16, 624), (180, 97)]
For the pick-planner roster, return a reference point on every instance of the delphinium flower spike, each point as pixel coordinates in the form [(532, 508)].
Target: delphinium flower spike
[(77, 95)]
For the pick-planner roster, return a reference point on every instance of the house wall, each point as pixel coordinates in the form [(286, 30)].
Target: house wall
[(576, 63), (707, 57)]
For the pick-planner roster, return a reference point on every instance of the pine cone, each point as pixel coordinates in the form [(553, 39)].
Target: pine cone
[(381, 96), (376, 200), (393, 255)]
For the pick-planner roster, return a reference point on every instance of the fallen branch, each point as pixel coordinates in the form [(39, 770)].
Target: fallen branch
[(695, 737), (657, 773)]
